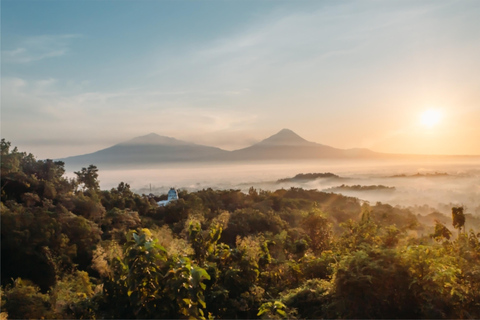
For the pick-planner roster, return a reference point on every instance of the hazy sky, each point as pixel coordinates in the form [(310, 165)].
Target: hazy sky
[(392, 76)]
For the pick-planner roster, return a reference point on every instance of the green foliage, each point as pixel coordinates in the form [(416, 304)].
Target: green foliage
[(372, 283), (185, 284), (248, 221), (319, 230), (24, 301), (273, 310), (36, 225), (441, 232), (359, 234), (124, 199), (203, 242), (221, 253), (88, 207), (152, 285), (319, 266), (434, 280), (22, 173), (72, 294), (83, 233), (384, 214), (144, 260), (117, 222), (30, 234), (311, 299)]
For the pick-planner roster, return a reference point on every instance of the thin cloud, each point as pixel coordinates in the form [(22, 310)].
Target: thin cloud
[(97, 116), (283, 69), (38, 48), (285, 44)]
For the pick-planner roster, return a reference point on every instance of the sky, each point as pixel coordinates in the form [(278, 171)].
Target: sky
[(391, 76)]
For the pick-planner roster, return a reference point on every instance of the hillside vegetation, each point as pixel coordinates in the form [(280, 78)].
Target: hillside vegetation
[(72, 250), (308, 177)]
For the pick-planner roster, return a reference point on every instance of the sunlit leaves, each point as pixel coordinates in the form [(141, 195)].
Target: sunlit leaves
[(441, 232), (272, 310)]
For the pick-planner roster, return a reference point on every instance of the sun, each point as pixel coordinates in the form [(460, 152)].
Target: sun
[(431, 117)]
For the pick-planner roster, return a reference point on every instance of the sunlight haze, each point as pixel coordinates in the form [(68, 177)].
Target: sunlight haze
[(240, 159), (431, 117), (393, 77)]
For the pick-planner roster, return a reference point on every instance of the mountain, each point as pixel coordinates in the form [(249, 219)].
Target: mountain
[(152, 149), (146, 150), (285, 137), (287, 145)]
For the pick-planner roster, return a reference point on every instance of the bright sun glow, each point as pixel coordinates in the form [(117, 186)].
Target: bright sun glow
[(431, 117)]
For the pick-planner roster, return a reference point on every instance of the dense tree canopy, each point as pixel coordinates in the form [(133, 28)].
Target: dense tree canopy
[(71, 250)]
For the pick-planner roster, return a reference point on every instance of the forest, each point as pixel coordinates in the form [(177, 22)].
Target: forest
[(70, 250)]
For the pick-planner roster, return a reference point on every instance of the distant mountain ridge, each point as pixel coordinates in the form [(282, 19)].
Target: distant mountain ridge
[(287, 145), (153, 149), (155, 139), (147, 150)]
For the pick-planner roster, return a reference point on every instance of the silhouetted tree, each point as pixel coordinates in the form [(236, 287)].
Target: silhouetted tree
[(458, 218), (88, 177)]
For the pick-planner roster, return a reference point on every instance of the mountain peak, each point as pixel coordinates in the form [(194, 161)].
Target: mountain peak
[(285, 137), (287, 133), (155, 139), (151, 134)]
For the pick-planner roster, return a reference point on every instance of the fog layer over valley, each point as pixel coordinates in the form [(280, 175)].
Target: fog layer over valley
[(154, 163), (438, 185)]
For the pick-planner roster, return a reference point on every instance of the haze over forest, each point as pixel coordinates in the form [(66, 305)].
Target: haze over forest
[(153, 164), (195, 94), (240, 159)]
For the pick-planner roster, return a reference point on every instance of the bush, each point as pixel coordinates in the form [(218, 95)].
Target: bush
[(23, 300)]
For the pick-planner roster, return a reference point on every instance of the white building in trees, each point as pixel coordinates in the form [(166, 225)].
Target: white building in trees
[(172, 196)]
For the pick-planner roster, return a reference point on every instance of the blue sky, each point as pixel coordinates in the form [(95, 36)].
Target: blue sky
[(78, 76)]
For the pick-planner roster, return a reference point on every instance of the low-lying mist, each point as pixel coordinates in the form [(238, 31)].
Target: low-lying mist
[(425, 187)]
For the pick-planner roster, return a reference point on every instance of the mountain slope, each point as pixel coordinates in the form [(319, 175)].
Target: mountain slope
[(146, 150), (287, 145), (153, 149)]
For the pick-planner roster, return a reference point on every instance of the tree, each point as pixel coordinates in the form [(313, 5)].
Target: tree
[(458, 218), (372, 284), (441, 232), (319, 230), (147, 283), (88, 177), (24, 300)]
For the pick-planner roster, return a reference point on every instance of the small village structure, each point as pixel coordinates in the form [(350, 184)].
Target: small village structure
[(172, 196)]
